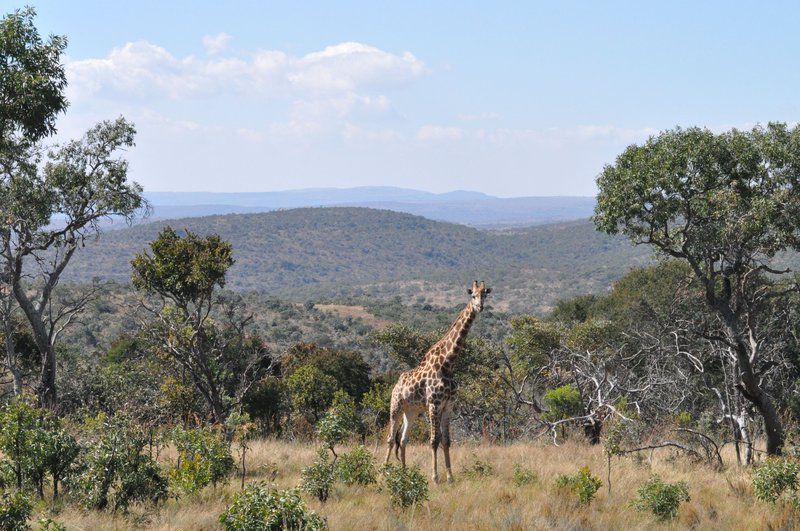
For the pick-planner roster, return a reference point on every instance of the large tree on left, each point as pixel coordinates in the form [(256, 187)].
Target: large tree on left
[(51, 200)]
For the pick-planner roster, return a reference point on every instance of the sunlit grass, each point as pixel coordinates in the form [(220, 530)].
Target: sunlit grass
[(719, 499)]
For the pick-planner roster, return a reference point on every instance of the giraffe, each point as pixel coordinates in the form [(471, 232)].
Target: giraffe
[(430, 387)]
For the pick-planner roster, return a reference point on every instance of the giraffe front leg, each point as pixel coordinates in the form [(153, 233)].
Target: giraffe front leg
[(446, 414), (435, 415)]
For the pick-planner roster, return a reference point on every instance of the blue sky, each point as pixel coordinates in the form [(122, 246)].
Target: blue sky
[(508, 98)]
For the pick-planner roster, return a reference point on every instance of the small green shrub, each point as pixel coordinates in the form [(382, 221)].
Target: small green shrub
[(478, 469), (259, 507), (339, 422), (661, 498), (357, 467), (584, 484), (15, 509), (523, 476), (406, 486), (318, 478), (114, 470), (204, 458), (774, 478), (48, 524), (562, 402)]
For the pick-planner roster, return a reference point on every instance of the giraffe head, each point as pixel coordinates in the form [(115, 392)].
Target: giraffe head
[(478, 293)]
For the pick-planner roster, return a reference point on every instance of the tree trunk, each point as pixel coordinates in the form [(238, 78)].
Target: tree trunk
[(749, 387), (41, 336), (47, 386)]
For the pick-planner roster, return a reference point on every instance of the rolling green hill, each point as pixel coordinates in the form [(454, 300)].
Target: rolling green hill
[(357, 253)]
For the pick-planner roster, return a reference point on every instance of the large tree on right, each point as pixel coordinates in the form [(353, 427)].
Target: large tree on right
[(726, 204)]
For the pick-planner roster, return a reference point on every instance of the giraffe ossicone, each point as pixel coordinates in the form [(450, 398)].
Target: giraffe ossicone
[(430, 387)]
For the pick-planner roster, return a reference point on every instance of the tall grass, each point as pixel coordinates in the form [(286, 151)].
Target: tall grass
[(719, 499)]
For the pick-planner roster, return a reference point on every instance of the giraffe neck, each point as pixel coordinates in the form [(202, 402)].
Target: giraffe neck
[(457, 335)]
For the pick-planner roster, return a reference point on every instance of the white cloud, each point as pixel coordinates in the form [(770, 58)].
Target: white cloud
[(216, 43), (145, 70), (481, 116), (437, 133)]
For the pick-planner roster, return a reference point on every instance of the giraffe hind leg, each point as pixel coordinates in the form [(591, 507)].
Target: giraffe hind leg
[(393, 440)]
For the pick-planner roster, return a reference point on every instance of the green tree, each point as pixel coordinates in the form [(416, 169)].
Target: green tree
[(80, 183), (725, 204), (348, 368), (311, 390), (220, 358)]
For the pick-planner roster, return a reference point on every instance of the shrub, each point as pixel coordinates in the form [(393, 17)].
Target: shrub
[(774, 478), (407, 486), (562, 402), (318, 478), (258, 507), (115, 464), (15, 509), (339, 422), (141, 479), (357, 467), (478, 469), (48, 524), (34, 445), (660, 498), (584, 484), (523, 476), (204, 458)]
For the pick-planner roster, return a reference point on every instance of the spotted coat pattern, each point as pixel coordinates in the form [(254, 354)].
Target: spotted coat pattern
[(430, 387)]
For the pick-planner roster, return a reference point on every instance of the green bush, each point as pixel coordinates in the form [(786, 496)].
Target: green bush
[(774, 478), (478, 469), (406, 486), (114, 470), (660, 498), (48, 524), (562, 402), (35, 446), (523, 476), (318, 478), (357, 467), (339, 422), (15, 509), (258, 507), (584, 484), (204, 458)]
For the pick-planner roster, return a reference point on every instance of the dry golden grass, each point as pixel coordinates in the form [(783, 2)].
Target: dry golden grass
[(719, 500)]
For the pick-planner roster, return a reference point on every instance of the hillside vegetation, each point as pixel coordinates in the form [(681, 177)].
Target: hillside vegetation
[(319, 253)]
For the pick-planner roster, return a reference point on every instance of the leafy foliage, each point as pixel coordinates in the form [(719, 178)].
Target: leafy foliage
[(774, 478), (523, 476), (114, 471), (311, 389), (204, 458), (15, 509), (357, 467), (583, 484), (407, 486), (339, 422), (562, 403), (318, 478), (259, 507), (662, 498), (478, 469)]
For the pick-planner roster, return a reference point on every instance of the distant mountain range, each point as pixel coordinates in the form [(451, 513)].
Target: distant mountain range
[(356, 253), (464, 207)]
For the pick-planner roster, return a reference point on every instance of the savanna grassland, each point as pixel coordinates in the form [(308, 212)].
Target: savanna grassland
[(720, 499)]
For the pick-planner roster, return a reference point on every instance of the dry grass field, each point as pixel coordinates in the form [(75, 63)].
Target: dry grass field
[(719, 500)]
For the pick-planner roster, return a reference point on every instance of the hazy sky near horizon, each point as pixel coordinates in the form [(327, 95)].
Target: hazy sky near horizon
[(507, 98)]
